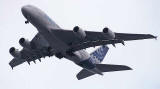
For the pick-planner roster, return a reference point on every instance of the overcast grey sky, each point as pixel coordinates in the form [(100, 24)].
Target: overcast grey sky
[(130, 16)]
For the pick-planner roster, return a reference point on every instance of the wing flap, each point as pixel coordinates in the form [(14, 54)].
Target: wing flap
[(93, 44)]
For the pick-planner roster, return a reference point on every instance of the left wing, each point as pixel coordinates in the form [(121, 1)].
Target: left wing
[(93, 39), (39, 48)]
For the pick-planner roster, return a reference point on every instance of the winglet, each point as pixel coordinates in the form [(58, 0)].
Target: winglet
[(152, 36), (155, 37)]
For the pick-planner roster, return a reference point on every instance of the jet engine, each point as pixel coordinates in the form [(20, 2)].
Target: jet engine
[(25, 43), (14, 52), (108, 33), (79, 32)]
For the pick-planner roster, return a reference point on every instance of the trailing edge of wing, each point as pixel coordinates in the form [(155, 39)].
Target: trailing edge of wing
[(93, 44)]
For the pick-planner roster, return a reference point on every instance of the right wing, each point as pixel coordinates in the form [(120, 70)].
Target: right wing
[(95, 38), (39, 48)]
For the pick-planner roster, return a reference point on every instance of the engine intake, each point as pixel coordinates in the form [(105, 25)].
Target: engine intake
[(79, 32), (14, 52), (75, 29), (25, 43), (108, 33)]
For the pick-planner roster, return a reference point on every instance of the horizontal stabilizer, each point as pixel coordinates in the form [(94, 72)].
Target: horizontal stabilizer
[(83, 74), (111, 68), (103, 68)]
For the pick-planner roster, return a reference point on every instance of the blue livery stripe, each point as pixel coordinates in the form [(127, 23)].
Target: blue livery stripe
[(99, 54)]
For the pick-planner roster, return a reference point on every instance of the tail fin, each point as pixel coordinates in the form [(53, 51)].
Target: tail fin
[(99, 54), (102, 67)]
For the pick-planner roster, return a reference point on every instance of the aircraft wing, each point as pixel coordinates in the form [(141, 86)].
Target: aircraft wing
[(39, 48), (128, 36), (95, 38), (15, 61)]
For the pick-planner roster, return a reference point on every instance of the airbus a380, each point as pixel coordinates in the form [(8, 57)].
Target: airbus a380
[(53, 40)]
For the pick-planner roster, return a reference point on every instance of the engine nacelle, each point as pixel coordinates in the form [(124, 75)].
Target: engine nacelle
[(14, 52), (79, 32), (25, 43), (108, 33)]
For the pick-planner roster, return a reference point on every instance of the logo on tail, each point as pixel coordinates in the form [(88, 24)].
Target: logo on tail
[(98, 55)]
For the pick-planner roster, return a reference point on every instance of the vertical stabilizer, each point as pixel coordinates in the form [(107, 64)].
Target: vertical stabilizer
[(98, 55)]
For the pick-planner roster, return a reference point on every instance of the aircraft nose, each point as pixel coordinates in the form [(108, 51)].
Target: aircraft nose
[(25, 10)]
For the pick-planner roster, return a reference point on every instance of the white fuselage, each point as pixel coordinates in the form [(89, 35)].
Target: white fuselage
[(44, 26)]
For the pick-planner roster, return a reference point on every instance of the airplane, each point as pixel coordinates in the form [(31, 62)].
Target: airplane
[(70, 44)]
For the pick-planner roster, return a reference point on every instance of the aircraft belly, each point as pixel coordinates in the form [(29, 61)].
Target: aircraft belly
[(54, 42), (61, 47), (74, 59), (82, 55), (78, 57)]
